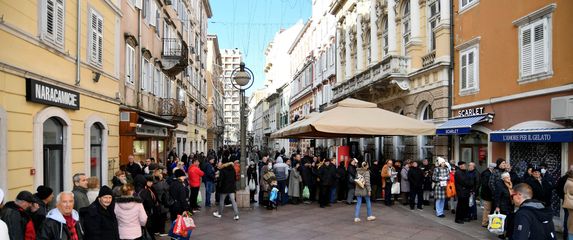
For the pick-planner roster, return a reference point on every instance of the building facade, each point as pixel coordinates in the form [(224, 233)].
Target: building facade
[(231, 60), (396, 54), (215, 93), (58, 104)]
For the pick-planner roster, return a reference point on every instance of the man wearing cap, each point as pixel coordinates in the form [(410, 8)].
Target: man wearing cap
[(486, 193), (43, 196), (98, 219), (16, 216), (541, 187), (80, 191), (62, 222), (3, 227)]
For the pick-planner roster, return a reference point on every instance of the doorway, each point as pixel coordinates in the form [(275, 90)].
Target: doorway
[(53, 148)]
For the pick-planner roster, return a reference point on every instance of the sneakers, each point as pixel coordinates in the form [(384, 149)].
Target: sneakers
[(356, 220), (196, 210), (371, 218), (236, 218), (216, 214)]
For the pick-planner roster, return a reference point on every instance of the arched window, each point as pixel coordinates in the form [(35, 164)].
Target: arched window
[(426, 143), (96, 132), (433, 20), (426, 113), (406, 27), (53, 148)]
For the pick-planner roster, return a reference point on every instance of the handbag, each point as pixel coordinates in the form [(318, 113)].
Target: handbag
[(252, 185), (395, 188), (496, 223), (359, 181)]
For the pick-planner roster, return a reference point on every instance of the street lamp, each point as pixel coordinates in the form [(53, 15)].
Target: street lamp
[(242, 79)]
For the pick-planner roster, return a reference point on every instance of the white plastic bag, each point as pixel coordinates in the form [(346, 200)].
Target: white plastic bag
[(472, 199), (496, 223), (395, 188)]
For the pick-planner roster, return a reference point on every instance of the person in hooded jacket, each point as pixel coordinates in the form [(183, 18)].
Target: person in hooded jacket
[(179, 190), (209, 180), (98, 219), (351, 175), (363, 191), (151, 205), (252, 176), (281, 172), (130, 214), (162, 190), (533, 220), (327, 176), (416, 179), (63, 222), (227, 182)]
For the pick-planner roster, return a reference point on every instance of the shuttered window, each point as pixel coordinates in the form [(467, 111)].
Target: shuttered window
[(53, 14), (129, 64), (469, 70), (95, 41), (145, 76), (534, 48)]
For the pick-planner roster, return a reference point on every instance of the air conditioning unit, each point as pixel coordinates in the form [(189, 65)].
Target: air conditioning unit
[(562, 108)]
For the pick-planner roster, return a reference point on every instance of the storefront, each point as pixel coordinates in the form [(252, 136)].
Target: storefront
[(143, 136)]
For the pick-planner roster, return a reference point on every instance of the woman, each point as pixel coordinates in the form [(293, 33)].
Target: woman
[(98, 219), (162, 190), (179, 190), (294, 184), (118, 180), (150, 204), (227, 181), (93, 188), (252, 176), (130, 214), (441, 176), (351, 175), (267, 176), (363, 190), (388, 178), (502, 196), (568, 201)]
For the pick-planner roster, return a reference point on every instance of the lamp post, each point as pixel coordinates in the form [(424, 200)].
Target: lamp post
[(242, 79)]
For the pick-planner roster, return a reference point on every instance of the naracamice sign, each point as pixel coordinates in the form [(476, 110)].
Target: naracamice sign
[(41, 92)]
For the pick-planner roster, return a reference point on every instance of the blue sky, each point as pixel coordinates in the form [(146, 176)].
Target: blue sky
[(249, 25)]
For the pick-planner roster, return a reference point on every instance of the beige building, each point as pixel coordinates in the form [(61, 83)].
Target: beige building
[(396, 54), (59, 70), (231, 60), (215, 93)]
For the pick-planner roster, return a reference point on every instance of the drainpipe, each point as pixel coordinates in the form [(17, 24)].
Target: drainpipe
[(78, 43), (450, 76), (140, 59)]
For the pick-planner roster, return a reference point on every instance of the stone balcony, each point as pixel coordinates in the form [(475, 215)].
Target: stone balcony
[(428, 59), (174, 56), (172, 109), (391, 70)]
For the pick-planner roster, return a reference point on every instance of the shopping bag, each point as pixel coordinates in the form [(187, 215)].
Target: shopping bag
[(199, 198), (496, 223), (274, 194), (395, 188), (185, 235), (252, 185), (450, 189), (305, 193), (472, 199)]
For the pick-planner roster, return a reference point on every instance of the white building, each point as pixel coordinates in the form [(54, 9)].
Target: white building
[(231, 59)]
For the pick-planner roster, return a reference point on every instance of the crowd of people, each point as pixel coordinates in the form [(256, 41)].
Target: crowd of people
[(144, 195)]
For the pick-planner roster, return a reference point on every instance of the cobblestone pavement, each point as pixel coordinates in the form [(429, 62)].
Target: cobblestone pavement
[(336, 222)]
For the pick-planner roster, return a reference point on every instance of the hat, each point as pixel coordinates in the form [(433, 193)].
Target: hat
[(461, 163), (105, 190), (441, 160), (149, 178), (179, 173), (492, 165), (43, 192), (1, 196), (25, 196), (536, 169)]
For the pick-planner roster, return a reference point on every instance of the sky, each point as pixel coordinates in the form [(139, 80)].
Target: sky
[(250, 25)]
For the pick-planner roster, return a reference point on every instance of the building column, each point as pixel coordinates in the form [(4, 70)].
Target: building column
[(415, 20), (391, 28), (360, 53), (340, 73), (444, 12), (374, 44), (348, 61)]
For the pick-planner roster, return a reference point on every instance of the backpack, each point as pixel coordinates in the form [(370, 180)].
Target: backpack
[(548, 227), (166, 200)]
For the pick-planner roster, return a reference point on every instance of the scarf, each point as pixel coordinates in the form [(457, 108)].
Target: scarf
[(71, 223)]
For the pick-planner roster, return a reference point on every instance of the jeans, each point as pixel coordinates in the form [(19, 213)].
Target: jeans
[(283, 197), (333, 194), (440, 206), (566, 234), (359, 203), (222, 202), (209, 188)]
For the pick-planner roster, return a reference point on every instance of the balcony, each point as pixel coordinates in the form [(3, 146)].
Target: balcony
[(428, 59), (391, 70), (172, 109), (175, 56)]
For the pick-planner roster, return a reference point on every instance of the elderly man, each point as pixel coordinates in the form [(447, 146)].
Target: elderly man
[(16, 216), (99, 219), (80, 191), (63, 222)]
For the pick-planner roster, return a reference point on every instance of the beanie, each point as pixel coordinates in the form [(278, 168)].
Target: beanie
[(105, 190), (43, 192), (179, 173)]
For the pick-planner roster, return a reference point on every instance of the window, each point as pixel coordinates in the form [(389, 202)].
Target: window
[(534, 41), (406, 23), (385, 36), (156, 83), (95, 41), (145, 76), (469, 69), (433, 20), (52, 22), (129, 64), (96, 151), (465, 4), (53, 151)]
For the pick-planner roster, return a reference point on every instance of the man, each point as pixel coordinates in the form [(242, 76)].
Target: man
[(132, 167), (473, 181), (532, 220), (195, 175), (327, 175), (150, 165), (416, 179), (281, 172), (227, 182), (350, 184), (43, 196), (561, 193), (501, 167), (404, 183), (209, 180), (62, 222), (16, 216), (428, 170), (375, 180), (98, 219), (308, 178), (463, 190), (486, 193), (262, 163), (80, 191), (541, 187)]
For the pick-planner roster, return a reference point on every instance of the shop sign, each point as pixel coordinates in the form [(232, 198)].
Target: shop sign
[(563, 136), (151, 131), (453, 131), (49, 94), (471, 112)]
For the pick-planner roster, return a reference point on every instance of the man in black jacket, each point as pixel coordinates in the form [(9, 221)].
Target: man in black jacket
[(227, 182), (327, 176), (15, 215), (532, 220), (542, 188), (463, 190), (98, 219), (132, 167), (63, 222), (416, 178), (375, 180), (486, 193)]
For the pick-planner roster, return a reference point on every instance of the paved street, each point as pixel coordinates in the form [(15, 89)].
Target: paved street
[(311, 222)]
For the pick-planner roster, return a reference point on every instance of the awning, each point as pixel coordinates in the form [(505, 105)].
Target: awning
[(461, 125), (538, 135), (154, 122)]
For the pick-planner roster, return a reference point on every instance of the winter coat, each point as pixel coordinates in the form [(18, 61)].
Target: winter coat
[(485, 190), (473, 180), (416, 178), (494, 177), (134, 169), (39, 216), (131, 217), (195, 175), (80, 198), (441, 174), (265, 185), (351, 175), (252, 174), (99, 223), (209, 173), (327, 175), (404, 183), (180, 194), (294, 183), (375, 175), (162, 189), (16, 219), (306, 171), (150, 201), (541, 190), (568, 200), (363, 192), (502, 198), (531, 220), (227, 179), (463, 185), (281, 170), (560, 186), (55, 226), (388, 175), (427, 170)]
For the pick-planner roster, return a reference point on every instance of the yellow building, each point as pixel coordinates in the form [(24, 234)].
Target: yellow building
[(58, 107)]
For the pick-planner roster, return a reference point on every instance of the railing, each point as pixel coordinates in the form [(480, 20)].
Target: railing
[(172, 47), (428, 59), (173, 108)]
